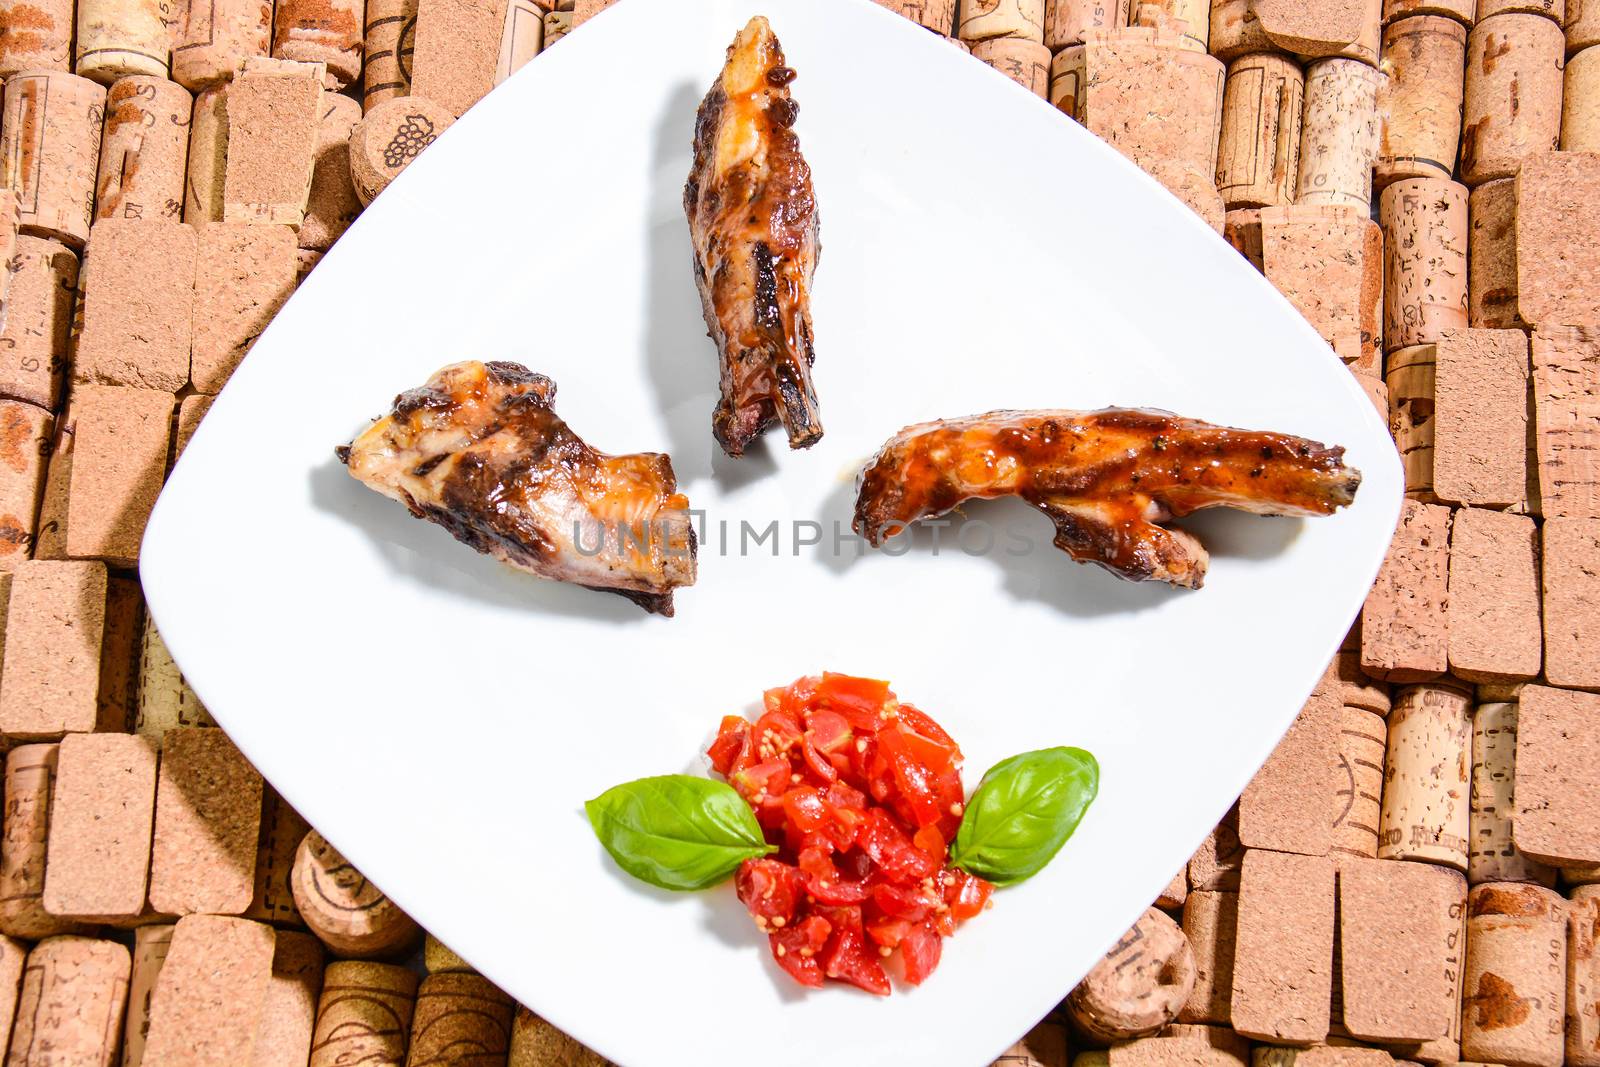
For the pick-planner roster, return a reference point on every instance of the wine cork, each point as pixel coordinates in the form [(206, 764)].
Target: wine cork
[(1066, 81), (521, 39), (305, 261), (1494, 597), (1583, 980), (25, 435), (584, 10), (1177, 890), (119, 459), (51, 679), (38, 312), (245, 273), (388, 138), (1516, 975), (460, 1017), (535, 1043), (1066, 20), (290, 1011), (138, 305), (1151, 99), (456, 51), (143, 150), (1190, 20), (1571, 601), (350, 914), (207, 157), (1426, 784), (1043, 1046), (1492, 253), (936, 15), (274, 111), (150, 945), (98, 858), (1285, 806), (1242, 229), (1025, 62), (1425, 57), (1566, 382), (1350, 685), (50, 542), (1211, 925), (282, 830), (1327, 259), (35, 35), (1582, 24), (1554, 10), (391, 32), (1493, 856), (1235, 30), (215, 37), (1394, 919), (1215, 864), (49, 150), (1140, 984), (1358, 797), (1580, 103), (321, 31), (1463, 11), (74, 990), (1425, 240), (1258, 158), (190, 412), (165, 699), (119, 655), (1313, 30), (29, 786), (117, 38), (364, 1015), (1340, 133), (211, 994), (1480, 423), (557, 24), (980, 20), (437, 957), (13, 956), (1283, 966), (1513, 95), (1403, 623), (1557, 816), (207, 826)]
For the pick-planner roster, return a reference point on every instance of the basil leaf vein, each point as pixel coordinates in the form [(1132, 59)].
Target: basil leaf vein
[(677, 831), (1023, 811)]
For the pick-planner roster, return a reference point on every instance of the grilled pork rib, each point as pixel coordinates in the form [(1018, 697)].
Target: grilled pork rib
[(753, 219), (480, 451), (1106, 478)]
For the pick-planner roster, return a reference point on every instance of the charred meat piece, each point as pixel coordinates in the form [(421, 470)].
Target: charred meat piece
[(480, 451), (1106, 478), (753, 218)]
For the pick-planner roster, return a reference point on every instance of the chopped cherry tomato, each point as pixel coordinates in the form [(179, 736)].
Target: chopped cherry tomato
[(861, 795), (798, 947), (919, 952)]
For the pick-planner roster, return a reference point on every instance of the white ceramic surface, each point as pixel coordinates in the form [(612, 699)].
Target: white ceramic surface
[(442, 719)]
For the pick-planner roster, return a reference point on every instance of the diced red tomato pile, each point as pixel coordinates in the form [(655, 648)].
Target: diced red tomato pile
[(862, 795)]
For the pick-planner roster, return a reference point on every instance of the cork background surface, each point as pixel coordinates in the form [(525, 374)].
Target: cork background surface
[(1414, 877)]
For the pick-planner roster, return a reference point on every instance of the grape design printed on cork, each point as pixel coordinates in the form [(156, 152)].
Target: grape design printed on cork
[(415, 134)]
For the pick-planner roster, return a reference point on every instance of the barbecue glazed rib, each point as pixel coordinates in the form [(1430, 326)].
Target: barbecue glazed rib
[(753, 218), (1106, 478), (479, 450)]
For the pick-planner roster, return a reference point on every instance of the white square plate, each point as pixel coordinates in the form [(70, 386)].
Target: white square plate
[(442, 719)]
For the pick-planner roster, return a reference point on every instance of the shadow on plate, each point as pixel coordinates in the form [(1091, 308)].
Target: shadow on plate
[(426, 554), (1019, 541)]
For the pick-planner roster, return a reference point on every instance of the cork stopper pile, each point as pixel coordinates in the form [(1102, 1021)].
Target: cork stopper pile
[(1414, 876)]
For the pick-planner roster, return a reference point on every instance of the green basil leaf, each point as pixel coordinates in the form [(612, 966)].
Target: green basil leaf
[(677, 831), (1023, 811)]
